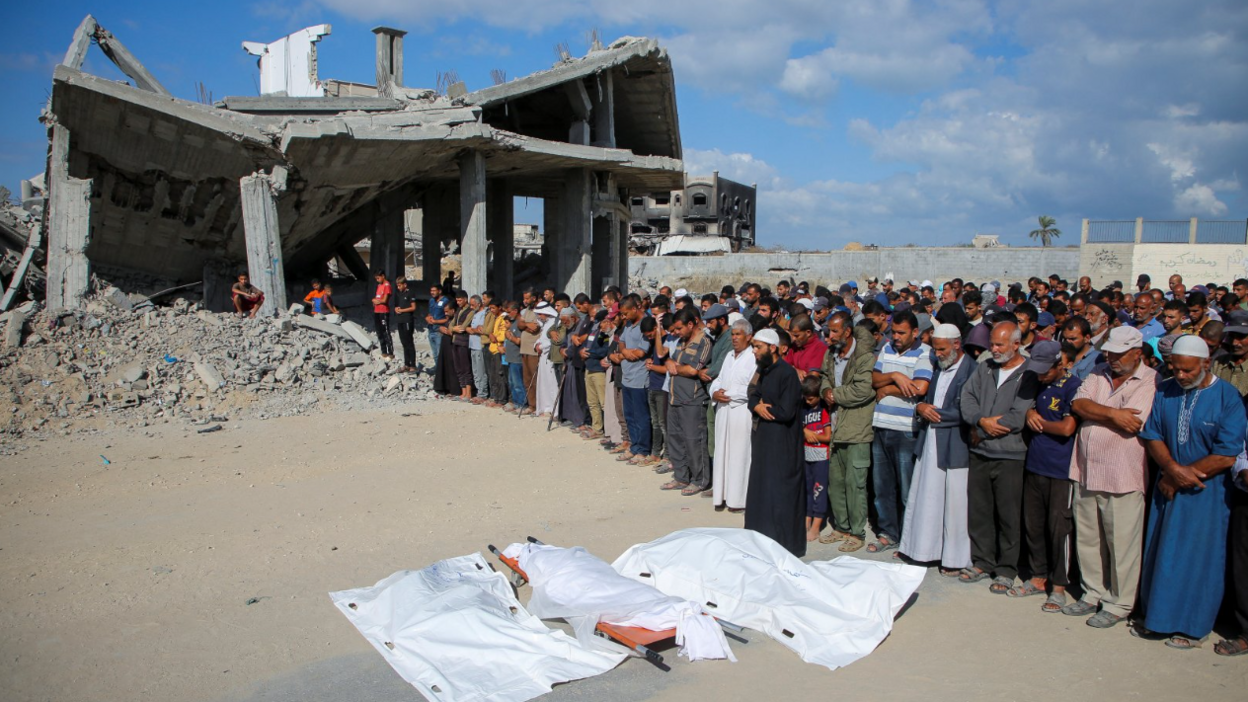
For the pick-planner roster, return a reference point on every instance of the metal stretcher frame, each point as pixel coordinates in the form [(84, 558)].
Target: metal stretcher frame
[(635, 638)]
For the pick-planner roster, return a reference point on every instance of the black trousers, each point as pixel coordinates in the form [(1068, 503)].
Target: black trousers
[(994, 495), (1239, 557), (1049, 526), (463, 365), (499, 387), (406, 339), (381, 322)]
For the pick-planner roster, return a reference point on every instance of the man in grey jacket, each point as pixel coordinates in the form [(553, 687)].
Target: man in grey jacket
[(994, 403)]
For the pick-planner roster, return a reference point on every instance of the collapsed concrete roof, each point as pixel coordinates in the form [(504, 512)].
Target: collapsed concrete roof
[(165, 172)]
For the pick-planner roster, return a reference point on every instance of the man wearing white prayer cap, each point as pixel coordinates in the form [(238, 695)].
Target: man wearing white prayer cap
[(1194, 433), (775, 501), (935, 524)]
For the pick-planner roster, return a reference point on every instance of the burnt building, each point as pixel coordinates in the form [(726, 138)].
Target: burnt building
[(711, 214)]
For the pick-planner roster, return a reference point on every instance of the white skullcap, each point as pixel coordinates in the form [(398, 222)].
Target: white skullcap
[(928, 284), (947, 331), (807, 303), (734, 317), (681, 292), (768, 336), (1190, 345)]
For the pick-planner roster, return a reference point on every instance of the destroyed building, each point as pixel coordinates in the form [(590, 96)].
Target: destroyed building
[(143, 183), (710, 215)]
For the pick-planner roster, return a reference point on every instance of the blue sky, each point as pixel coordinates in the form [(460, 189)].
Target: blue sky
[(880, 121)]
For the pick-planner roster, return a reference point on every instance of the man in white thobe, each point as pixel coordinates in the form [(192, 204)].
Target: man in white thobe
[(935, 526), (547, 382), (733, 421)]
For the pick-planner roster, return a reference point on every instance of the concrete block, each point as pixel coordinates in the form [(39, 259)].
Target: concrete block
[(392, 384), (357, 333), (355, 360), (295, 308), (13, 329), (209, 375)]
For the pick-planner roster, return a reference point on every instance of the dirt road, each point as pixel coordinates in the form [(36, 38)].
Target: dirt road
[(132, 580)]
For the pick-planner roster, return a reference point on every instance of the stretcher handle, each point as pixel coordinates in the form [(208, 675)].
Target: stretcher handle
[(535, 541), (651, 656), (494, 550), (725, 624)]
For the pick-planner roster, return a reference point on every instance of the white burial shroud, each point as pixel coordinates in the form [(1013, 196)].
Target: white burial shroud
[(457, 633), (829, 612), (574, 585)]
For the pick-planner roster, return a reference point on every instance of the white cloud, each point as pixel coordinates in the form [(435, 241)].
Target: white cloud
[(1200, 199), (743, 168)]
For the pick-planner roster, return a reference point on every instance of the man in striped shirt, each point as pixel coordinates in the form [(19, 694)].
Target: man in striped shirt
[(1109, 468), (900, 378)]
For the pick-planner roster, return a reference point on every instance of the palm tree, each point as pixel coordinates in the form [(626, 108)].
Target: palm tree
[(1047, 231)]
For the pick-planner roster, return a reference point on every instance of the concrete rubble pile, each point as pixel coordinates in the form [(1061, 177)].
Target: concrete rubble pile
[(123, 361)]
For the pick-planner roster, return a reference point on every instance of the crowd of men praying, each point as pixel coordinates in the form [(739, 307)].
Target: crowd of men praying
[(1041, 437)]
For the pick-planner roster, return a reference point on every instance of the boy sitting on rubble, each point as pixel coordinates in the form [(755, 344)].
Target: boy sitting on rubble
[(319, 300), (247, 297)]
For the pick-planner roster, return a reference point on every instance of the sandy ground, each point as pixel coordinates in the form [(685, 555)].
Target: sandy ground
[(129, 581)]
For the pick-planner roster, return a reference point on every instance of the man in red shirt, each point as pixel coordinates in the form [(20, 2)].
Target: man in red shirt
[(381, 314), (807, 351)]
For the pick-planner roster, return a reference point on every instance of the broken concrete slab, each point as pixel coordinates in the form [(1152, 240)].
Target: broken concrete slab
[(357, 333), (133, 373), (209, 375), (322, 326), (13, 329)]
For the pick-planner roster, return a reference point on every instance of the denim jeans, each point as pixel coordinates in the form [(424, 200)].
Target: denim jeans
[(637, 410), (892, 455), (435, 343), (515, 378)]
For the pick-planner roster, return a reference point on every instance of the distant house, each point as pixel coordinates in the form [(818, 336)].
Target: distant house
[(987, 241)]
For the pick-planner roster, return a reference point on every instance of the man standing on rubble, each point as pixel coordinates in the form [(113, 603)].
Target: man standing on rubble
[(381, 314), (247, 297), (436, 319)]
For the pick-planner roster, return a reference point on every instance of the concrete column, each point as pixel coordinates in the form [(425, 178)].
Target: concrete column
[(472, 220), (1139, 230), (552, 233), (386, 252), (621, 257), (264, 237), (603, 257), (1191, 232), (572, 255), (1083, 234), (603, 101), (69, 229), (500, 216)]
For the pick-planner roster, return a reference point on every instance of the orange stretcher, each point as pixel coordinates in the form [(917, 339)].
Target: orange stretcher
[(632, 637)]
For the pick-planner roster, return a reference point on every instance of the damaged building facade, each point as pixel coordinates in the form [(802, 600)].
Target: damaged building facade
[(709, 215), (283, 184)]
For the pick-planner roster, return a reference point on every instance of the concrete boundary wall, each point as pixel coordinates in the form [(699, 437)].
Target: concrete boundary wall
[(1197, 263), (710, 273)]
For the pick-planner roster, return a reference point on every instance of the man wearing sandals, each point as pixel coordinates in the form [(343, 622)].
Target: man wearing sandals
[(995, 402), (1194, 433), (1108, 468), (1048, 522), (846, 388)]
